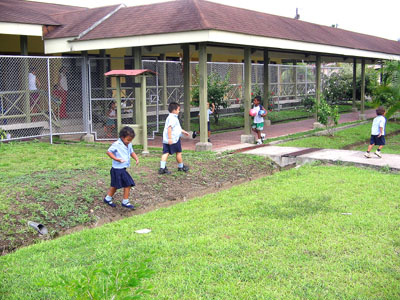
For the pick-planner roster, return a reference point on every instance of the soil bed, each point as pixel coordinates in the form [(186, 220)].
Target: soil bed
[(70, 200)]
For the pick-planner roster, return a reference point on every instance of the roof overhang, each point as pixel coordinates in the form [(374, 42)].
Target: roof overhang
[(21, 29), (210, 36)]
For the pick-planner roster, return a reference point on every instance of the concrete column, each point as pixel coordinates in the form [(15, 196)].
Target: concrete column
[(203, 145), (267, 93), (164, 82), (144, 114), (294, 78), (247, 137), (186, 86), (137, 57), (118, 102), (354, 107), (362, 111)]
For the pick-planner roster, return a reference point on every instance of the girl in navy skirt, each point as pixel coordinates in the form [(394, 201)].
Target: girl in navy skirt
[(121, 152)]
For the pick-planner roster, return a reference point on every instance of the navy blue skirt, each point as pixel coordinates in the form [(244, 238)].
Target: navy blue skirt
[(120, 178)]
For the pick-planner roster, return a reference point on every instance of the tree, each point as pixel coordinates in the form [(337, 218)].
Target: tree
[(388, 94), (217, 90)]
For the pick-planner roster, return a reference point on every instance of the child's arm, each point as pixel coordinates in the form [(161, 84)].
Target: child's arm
[(135, 157), (212, 107), (170, 135), (112, 156), (264, 114), (380, 131), (185, 132)]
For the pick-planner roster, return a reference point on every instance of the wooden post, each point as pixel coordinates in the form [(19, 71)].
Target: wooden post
[(144, 114), (186, 85), (354, 108), (164, 82), (118, 100), (247, 137), (266, 94), (362, 113), (137, 56), (318, 83), (203, 92)]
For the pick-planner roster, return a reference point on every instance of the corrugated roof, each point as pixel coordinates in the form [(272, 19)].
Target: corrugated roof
[(194, 15), (27, 12)]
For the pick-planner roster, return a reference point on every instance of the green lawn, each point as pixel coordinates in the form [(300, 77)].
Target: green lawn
[(347, 137), (307, 233)]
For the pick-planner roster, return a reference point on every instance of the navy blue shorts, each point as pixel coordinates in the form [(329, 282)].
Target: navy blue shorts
[(171, 149), (379, 141), (208, 126), (120, 178)]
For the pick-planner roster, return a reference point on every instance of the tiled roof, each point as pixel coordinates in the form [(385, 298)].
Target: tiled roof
[(27, 12), (194, 15), (75, 23)]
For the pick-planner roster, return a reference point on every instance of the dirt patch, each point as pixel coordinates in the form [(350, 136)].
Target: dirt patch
[(68, 201)]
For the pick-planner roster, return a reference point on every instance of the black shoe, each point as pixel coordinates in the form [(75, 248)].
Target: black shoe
[(128, 205), (110, 203), (209, 140), (184, 169), (164, 171), (194, 134)]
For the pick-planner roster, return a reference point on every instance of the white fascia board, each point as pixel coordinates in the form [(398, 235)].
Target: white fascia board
[(21, 29), (215, 36), (259, 41)]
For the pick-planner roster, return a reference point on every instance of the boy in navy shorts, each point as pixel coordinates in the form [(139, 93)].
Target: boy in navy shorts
[(121, 152), (377, 133), (172, 139)]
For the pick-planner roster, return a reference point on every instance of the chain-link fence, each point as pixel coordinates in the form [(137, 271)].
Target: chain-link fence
[(40, 96), (46, 96)]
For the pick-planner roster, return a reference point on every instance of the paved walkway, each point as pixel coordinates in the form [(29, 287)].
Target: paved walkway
[(231, 140), (292, 155)]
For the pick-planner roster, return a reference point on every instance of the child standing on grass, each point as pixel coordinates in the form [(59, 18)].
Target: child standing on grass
[(258, 122), (110, 122), (121, 152), (210, 111), (172, 140), (377, 133)]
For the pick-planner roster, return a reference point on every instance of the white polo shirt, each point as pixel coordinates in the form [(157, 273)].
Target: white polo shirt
[(173, 122)]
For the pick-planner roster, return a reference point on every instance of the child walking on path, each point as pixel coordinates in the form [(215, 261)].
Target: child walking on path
[(121, 152), (172, 140), (258, 122), (377, 133), (210, 111)]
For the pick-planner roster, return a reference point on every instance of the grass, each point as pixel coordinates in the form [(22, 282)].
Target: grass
[(307, 233), (349, 136)]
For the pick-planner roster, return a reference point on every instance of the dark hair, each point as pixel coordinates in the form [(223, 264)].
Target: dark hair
[(380, 110), (111, 104), (257, 98), (127, 131), (173, 106)]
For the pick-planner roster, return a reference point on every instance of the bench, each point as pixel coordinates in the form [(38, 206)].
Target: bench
[(25, 129)]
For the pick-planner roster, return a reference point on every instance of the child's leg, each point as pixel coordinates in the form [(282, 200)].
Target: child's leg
[(259, 134), (126, 192), (179, 159), (370, 147), (111, 191)]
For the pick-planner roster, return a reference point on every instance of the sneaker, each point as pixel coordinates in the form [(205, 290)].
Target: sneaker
[(259, 142), (128, 205), (183, 169), (110, 203), (209, 140), (164, 171), (263, 136), (367, 155), (378, 153), (194, 134)]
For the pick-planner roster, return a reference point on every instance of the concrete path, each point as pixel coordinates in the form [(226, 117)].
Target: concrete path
[(293, 155), (231, 140)]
